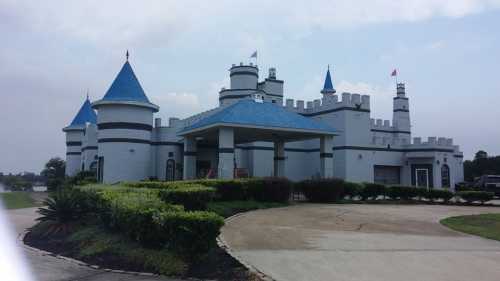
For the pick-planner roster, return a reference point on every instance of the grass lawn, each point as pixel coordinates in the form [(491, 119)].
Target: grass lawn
[(17, 200), (228, 208), (484, 225)]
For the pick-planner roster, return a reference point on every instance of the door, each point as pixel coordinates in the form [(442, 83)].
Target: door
[(170, 172), (422, 177)]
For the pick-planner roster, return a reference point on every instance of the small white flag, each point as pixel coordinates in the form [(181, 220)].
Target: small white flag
[(254, 55)]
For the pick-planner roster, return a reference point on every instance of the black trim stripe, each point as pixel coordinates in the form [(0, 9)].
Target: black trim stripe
[(233, 97), (167, 143), (125, 140), (124, 125), (400, 98), (73, 143), (458, 156), (392, 132), (279, 158), (392, 149), (190, 153), (73, 153), (226, 150), (272, 149), (334, 110), (243, 73), (274, 80), (326, 155), (89, 148), (401, 110)]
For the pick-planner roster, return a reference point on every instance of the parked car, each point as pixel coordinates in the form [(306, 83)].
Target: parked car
[(490, 183)]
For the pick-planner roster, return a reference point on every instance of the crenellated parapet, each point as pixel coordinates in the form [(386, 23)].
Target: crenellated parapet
[(435, 142), (330, 103)]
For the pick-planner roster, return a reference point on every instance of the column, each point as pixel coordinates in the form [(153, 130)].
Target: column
[(326, 156), (189, 171), (226, 153), (279, 158)]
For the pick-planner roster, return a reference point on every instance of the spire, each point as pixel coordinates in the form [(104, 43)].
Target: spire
[(328, 86), (127, 55), (85, 115), (126, 87)]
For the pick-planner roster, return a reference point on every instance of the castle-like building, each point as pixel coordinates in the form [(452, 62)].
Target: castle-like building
[(256, 132)]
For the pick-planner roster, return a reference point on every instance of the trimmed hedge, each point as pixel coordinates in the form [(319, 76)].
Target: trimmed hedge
[(402, 192), (352, 189), (322, 190), (473, 196), (269, 189), (372, 191), (435, 194), (192, 198)]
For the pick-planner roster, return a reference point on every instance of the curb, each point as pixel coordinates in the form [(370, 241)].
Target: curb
[(20, 239), (223, 245)]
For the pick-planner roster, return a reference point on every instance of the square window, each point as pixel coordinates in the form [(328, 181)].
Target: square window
[(170, 154)]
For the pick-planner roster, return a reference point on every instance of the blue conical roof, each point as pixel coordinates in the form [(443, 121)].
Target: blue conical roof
[(126, 87), (328, 86), (85, 115)]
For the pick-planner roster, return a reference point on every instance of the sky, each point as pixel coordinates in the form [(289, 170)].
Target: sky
[(53, 52)]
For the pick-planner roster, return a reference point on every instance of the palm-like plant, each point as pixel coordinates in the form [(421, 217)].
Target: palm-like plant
[(61, 210)]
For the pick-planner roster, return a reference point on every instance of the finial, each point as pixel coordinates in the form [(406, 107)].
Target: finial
[(87, 93), (328, 66), (126, 55)]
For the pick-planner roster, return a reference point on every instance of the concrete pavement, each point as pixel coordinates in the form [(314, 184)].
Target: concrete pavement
[(50, 268), (362, 242)]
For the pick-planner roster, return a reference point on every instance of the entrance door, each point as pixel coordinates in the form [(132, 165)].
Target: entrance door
[(422, 177), (170, 172)]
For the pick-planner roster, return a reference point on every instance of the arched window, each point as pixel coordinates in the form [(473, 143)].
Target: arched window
[(445, 176)]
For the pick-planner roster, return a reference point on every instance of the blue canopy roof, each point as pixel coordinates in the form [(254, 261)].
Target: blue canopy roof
[(328, 86), (85, 115), (251, 113), (126, 87)]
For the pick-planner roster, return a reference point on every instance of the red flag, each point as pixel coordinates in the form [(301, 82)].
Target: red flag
[(394, 73)]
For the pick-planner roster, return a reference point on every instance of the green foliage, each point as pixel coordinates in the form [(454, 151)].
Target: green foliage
[(435, 194), (473, 196), (322, 190), (269, 189), (484, 225), (189, 233), (481, 165), (372, 191), (54, 173), (401, 192), (352, 189), (229, 208), (17, 200), (192, 198), (17, 182)]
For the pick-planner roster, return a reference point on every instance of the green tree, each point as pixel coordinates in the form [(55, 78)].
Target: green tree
[(54, 173), (481, 165)]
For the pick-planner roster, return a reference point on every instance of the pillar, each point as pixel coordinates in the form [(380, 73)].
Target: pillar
[(279, 159), (326, 156), (226, 153), (189, 171)]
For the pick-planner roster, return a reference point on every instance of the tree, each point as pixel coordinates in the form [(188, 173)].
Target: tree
[(54, 172), (481, 165), (481, 154)]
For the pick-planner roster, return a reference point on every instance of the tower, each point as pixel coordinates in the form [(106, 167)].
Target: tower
[(328, 85), (243, 83), (124, 125), (74, 136), (401, 114)]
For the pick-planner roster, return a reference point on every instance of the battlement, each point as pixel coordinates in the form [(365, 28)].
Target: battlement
[(330, 102), (379, 124)]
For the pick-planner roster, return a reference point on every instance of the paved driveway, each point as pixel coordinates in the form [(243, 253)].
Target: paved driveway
[(362, 242), (49, 268)]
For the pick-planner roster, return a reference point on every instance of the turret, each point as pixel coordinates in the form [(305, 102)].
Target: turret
[(401, 113), (243, 83), (328, 85), (74, 137), (124, 125)]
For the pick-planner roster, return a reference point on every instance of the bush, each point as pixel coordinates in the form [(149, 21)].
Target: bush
[(421, 192), (402, 192), (352, 189), (322, 190), (269, 189), (433, 194), (192, 198), (189, 233), (372, 191), (472, 196)]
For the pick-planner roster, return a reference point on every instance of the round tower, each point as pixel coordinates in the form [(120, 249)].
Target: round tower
[(244, 76), (74, 136), (124, 125)]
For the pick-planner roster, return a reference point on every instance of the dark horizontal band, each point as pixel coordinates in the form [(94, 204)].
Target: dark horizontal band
[(190, 153), (226, 150), (89, 148), (326, 155), (400, 98), (335, 110), (124, 125), (275, 80), (392, 149), (73, 153), (279, 158), (391, 132), (233, 97), (243, 73), (167, 143), (126, 140), (73, 143), (401, 110)]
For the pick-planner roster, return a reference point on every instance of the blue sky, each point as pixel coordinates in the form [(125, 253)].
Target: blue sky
[(446, 51)]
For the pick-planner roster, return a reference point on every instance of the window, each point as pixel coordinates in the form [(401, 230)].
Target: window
[(445, 176)]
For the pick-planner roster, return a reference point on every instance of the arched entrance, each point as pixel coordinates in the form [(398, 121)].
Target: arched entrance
[(445, 176)]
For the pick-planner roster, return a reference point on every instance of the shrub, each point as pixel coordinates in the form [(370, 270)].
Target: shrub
[(192, 198), (229, 190), (322, 190), (269, 189), (352, 189), (443, 194), (421, 192), (372, 191), (402, 192), (472, 196), (189, 233)]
